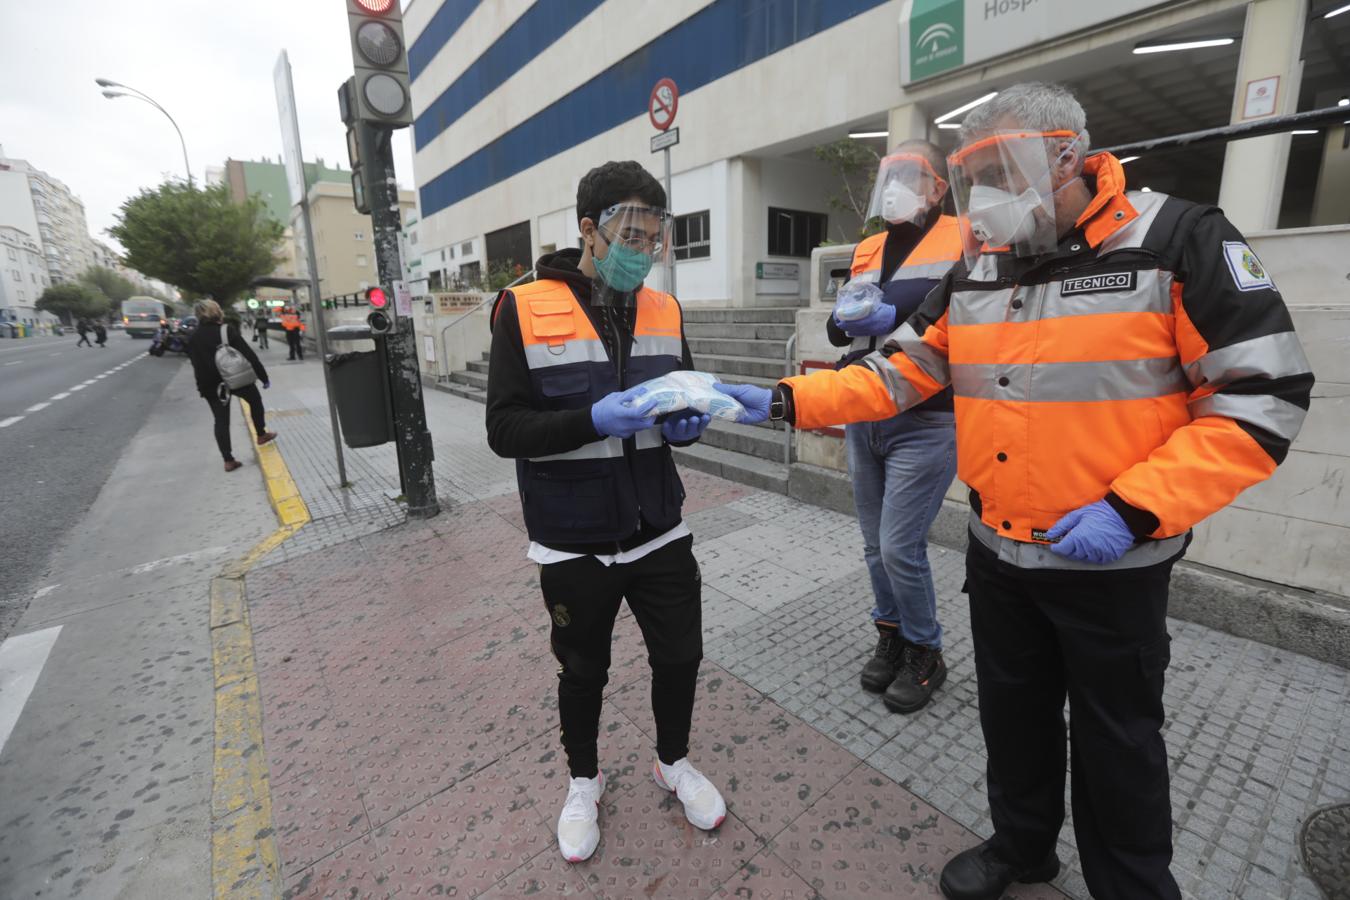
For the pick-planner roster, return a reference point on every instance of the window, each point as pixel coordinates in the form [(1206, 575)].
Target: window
[(12, 254), (692, 237), (359, 235), (361, 261), (16, 274), (466, 248), (795, 233)]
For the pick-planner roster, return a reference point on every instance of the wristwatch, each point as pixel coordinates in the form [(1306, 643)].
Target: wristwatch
[(777, 406)]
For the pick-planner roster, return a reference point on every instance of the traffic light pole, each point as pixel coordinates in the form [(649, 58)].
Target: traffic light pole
[(405, 380)]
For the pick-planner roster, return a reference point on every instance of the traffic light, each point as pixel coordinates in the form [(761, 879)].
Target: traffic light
[(381, 95), (381, 318), (347, 108)]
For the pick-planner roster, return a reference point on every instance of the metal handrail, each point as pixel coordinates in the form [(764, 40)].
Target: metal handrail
[(787, 373), (445, 357)]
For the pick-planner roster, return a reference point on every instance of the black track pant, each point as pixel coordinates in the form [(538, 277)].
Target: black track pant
[(1101, 639), (222, 413), (663, 589)]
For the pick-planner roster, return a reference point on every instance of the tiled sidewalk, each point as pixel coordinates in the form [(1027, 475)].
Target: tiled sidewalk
[(410, 715)]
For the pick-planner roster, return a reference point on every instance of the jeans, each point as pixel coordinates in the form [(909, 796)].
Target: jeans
[(901, 468), (221, 412)]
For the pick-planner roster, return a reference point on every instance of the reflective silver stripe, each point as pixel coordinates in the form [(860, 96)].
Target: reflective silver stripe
[(657, 345), (902, 392), (923, 270), (609, 448), (1152, 294), (648, 438), (1071, 382), (862, 343), (930, 362), (1132, 235), (1280, 417), (1033, 555), (870, 275), (1271, 356), (575, 350), (980, 307)]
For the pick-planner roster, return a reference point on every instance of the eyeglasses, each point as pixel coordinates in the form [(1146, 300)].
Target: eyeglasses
[(634, 239)]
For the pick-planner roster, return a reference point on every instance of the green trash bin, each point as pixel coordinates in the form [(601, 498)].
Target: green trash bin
[(362, 404)]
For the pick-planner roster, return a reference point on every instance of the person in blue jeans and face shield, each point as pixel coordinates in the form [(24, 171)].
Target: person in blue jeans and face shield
[(901, 467)]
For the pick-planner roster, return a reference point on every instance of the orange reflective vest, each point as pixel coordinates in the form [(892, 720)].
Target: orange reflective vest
[(1149, 361), (600, 491), (934, 255), (291, 322)]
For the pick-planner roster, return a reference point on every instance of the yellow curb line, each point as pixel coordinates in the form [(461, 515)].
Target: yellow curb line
[(244, 860)]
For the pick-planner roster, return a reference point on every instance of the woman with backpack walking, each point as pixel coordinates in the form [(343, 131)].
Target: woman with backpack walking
[(221, 360)]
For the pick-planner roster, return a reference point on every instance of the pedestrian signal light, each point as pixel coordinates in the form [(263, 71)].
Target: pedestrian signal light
[(378, 7), (377, 298)]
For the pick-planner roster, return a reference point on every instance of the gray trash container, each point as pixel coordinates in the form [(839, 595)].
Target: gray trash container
[(358, 388)]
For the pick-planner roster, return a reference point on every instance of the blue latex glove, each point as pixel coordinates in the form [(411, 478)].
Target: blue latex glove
[(266, 384), (1094, 534), (612, 416), (754, 399), (683, 427), (881, 321)]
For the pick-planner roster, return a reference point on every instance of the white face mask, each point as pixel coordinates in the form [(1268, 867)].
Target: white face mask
[(999, 218), (900, 204)]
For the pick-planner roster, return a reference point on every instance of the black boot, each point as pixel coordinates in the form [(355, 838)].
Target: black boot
[(921, 673), (880, 670), (981, 874)]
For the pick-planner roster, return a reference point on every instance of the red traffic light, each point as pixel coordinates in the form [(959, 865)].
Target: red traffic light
[(377, 298), (378, 7)]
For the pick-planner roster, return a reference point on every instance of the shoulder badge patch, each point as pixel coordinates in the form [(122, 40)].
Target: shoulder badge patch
[(1248, 273)]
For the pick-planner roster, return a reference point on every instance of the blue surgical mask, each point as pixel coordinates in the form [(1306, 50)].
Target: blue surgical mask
[(623, 269)]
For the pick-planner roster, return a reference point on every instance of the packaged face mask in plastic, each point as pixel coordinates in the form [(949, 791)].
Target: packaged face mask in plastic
[(857, 300), (687, 390)]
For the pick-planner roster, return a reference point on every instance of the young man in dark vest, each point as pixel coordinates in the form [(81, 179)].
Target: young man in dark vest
[(598, 485)]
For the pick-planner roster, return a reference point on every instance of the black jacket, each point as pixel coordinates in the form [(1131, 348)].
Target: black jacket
[(515, 428), (202, 348)]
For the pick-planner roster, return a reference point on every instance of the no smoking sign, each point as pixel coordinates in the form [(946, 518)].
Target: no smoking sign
[(665, 100)]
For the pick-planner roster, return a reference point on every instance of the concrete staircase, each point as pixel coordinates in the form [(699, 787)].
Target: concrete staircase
[(739, 345)]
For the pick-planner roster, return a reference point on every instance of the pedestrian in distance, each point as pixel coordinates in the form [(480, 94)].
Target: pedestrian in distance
[(598, 485), (260, 329), (295, 329), (82, 329), (101, 335), (900, 467), (1123, 366), (211, 333)]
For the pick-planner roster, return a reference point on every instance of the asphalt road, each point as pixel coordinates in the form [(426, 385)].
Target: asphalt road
[(66, 415)]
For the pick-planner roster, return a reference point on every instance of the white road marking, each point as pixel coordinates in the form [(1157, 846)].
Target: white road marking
[(21, 660), (15, 363), (61, 396), (5, 423), (78, 387), (90, 381), (177, 560), (37, 407), (44, 591)]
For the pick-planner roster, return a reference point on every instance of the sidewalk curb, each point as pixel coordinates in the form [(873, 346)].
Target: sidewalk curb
[(244, 861)]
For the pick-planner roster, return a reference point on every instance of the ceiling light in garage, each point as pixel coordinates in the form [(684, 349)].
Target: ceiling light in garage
[(969, 106), (1337, 11), (1182, 45)]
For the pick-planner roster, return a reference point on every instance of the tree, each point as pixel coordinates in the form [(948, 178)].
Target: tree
[(71, 299), (855, 164), (108, 283), (198, 239)]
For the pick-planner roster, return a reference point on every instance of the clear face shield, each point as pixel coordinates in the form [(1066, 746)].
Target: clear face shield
[(632, 238), (1004, 190), (906, 188)]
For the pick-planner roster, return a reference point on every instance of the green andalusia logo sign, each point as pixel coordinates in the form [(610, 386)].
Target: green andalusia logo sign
[(936, 37)]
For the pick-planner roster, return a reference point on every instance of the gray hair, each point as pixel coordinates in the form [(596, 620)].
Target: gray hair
[(1033, 105)]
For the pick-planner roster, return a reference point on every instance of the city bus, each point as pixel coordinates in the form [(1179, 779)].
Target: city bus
[(143, 316)]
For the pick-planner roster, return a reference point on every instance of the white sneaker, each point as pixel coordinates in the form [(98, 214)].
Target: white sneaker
[(578, 826), (703, 805)]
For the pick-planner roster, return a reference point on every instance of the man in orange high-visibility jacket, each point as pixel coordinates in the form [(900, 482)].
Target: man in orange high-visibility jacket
[(295, 329), (599, 490), (1123, 366)]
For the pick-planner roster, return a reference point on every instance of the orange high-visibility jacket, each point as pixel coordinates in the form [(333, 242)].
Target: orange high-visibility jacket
[(930, 259), (291, 322), (1149, 361)]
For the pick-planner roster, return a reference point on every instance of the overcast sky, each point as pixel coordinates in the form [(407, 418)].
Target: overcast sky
[(209, 64)]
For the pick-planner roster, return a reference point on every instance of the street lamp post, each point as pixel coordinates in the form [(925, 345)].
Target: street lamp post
[(128, 91)]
